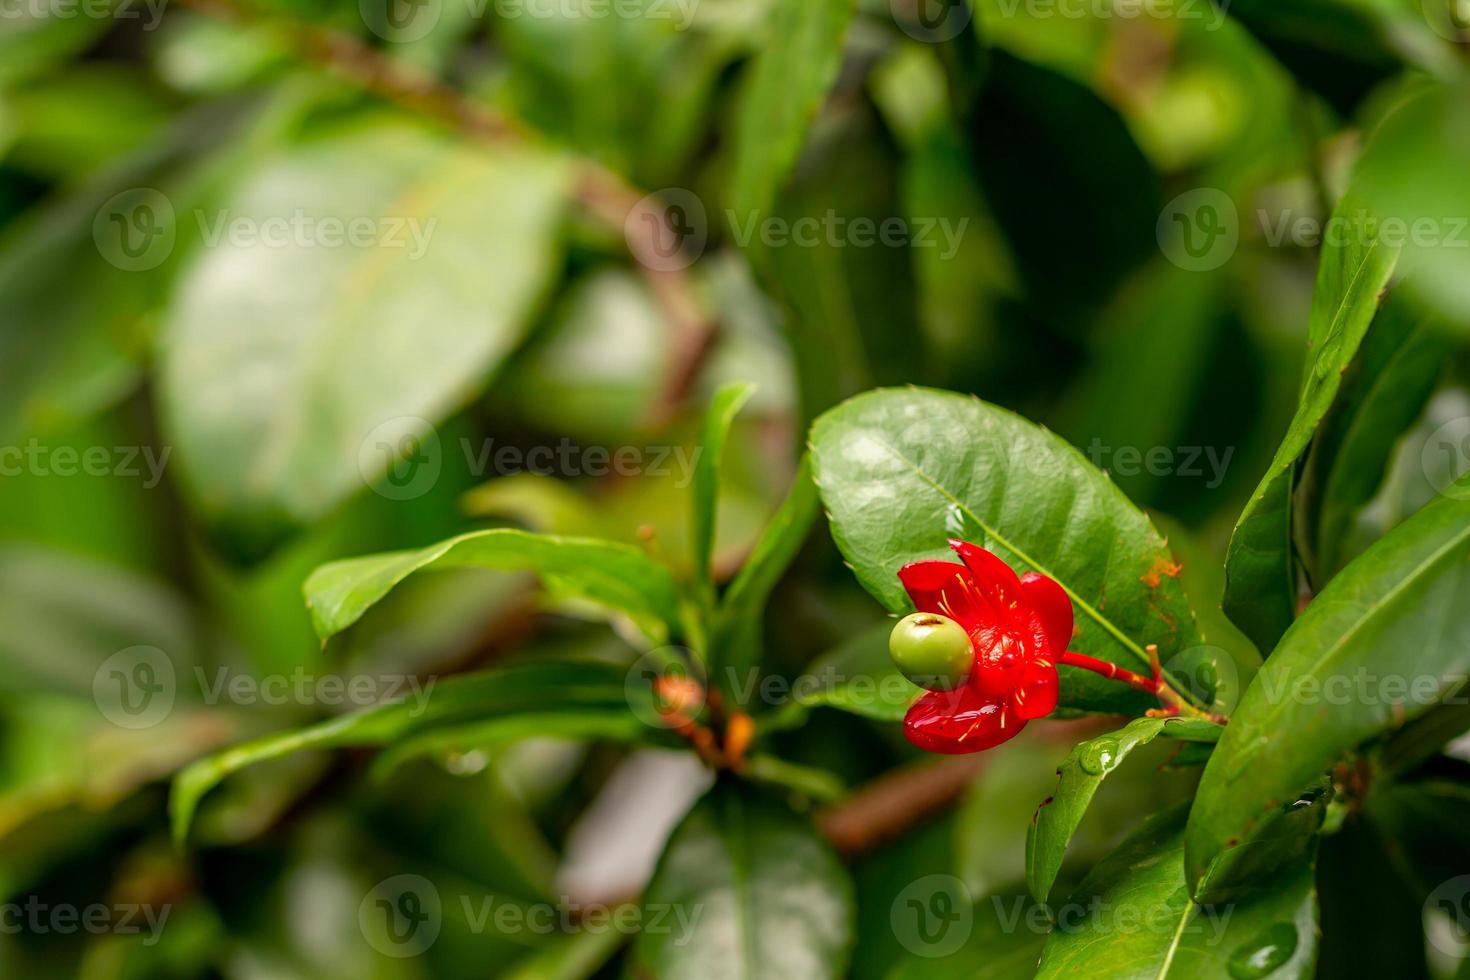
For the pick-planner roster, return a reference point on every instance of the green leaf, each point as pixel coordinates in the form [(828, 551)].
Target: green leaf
[(736, 642), (771, 899), (1380, 646), (32, 40), (723, 408), (1260, 574), (528, 690), (617, 576), (1385, 392), (284, 401), (1001, 940), (1082, 772), (852, 312), (78, 308), (902, 471), (1132, 917), (788, 83), (858, 677), (1412, 173)]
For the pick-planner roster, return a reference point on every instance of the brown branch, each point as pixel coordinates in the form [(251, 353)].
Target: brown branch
[(604, 193), (896, 802)]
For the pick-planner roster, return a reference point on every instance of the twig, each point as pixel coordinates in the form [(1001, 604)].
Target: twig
[(897, 801)]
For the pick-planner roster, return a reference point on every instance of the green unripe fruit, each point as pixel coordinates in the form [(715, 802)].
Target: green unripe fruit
[(933, 651)]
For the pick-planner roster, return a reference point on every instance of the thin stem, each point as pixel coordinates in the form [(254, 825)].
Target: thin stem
[(1176, 702)]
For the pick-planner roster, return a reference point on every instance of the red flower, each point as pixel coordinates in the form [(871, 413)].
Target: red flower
[(1019, 629)]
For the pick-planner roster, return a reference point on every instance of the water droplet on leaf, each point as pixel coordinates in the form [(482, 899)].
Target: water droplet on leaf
[(1099, 756), (1264, 954)]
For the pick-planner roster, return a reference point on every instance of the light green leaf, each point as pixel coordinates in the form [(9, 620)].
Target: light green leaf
[(771, 899), (723, 408), (1260, 573), (1132, 917), (1082, 773), (1385, 392), (528, 690), (736, 642), (788, 82), (407, 265), (617, 576), (903, 471), (1380, 646)]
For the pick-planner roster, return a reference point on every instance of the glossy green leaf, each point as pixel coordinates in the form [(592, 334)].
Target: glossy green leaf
[(1081, 774), (1385, 390), (768, 896), (1260, 571), (1001, 939), (526, 690), (412, 273), (737, 637), (1132, 917), (616, 576), (1379, 646), (903, 471), (788, 82), (723, 408)]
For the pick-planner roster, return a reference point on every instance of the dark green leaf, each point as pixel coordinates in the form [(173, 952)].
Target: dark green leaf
[(1380, 646), (903, 471), (1081, 774), (852, 310), (282, 402), (1133, 917), (771, 899), (525, 690), (617, 576), (1260, 574)]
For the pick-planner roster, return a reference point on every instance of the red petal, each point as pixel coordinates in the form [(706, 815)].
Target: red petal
[(959, 721), (993, 578), (943, 587), (1052, 606), (1036, 694)]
